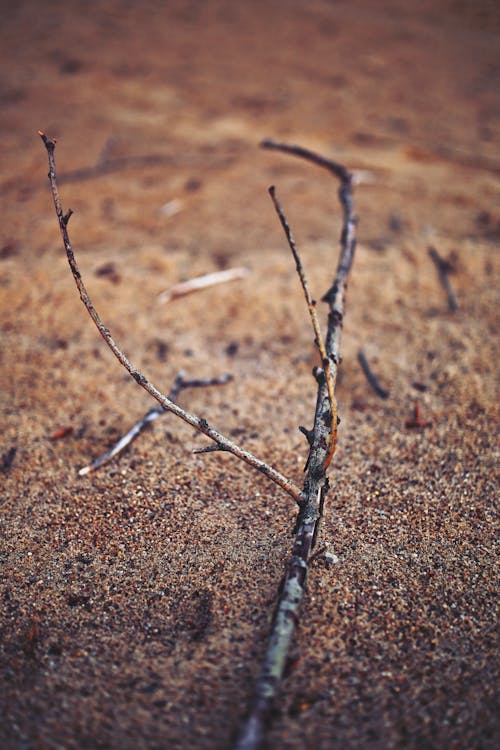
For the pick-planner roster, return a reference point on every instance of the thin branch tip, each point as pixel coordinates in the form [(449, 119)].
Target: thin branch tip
[(328, 358), (371, 377), (49, 142)]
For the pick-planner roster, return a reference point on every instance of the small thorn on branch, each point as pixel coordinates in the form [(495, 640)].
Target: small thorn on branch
[(318, 374), (67, 216), (309, 434), (372, 379), (209, 449), (443, 269)]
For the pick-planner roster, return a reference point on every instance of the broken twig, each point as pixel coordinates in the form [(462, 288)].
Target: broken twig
[(316, 482), (62, 432), (372, 379), (106, 165), (416, 421), (198, 423), (443, 271), (178, 385), (202, 282)]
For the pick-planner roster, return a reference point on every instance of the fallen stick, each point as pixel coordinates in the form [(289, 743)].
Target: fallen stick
[(109, 166), (62, 432), (371, 377), (320, 439), (178, 385), (443, 270), (202, 282)]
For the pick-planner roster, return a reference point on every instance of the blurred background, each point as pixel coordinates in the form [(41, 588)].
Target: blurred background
[(137, 600)]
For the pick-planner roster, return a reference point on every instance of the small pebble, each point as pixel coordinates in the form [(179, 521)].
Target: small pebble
[(331, 559)]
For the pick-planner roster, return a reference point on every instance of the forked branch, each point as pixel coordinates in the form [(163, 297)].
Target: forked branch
[(198, 423), (321, 439)]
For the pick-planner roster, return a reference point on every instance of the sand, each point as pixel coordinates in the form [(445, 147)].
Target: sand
[(136, 601)]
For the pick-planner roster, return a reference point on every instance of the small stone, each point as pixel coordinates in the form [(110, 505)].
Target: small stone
[(171, 208), (331, 559)]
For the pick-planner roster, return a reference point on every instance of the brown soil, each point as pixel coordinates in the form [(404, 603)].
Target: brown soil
[(136, 602)]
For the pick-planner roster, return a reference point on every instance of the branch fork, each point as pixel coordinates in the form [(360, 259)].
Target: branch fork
[(322, 442), (322, 438)]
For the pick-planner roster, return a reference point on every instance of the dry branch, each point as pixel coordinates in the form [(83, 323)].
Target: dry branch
[(179, 384), (443, 270), (198, 423), (202, 282), (318, 340), (106, 165), (371, 377), (316, 484), (321, 438)]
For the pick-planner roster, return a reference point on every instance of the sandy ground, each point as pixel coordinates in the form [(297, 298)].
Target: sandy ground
[(136, 602)]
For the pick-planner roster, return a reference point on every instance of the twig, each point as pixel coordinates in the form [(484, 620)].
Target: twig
[(320, 437), (178, 385), (443, 269), (311, 306), (316, 483), (416, 422), (105, 166), (202, 282), (7, 459), (198, 423), (62, 432), (209, 449), (372, 379)]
